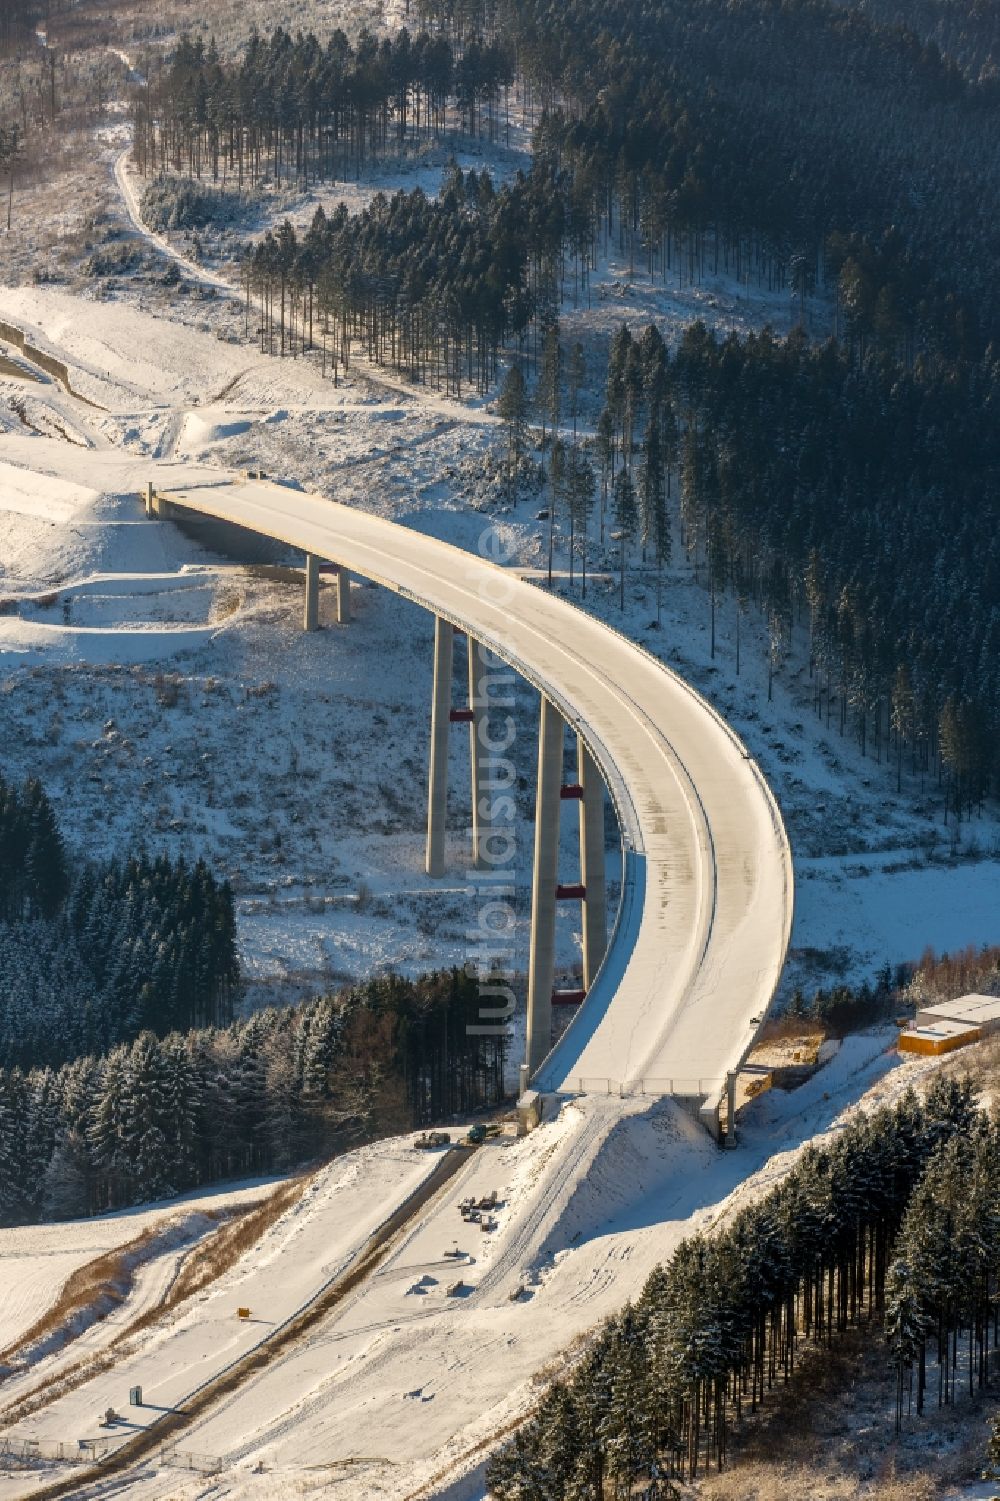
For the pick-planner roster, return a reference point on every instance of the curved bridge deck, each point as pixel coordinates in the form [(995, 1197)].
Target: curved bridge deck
[(706, 908)]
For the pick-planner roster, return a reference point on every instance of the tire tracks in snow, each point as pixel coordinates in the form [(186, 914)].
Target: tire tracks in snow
[(232, 1379), (527, 1233)]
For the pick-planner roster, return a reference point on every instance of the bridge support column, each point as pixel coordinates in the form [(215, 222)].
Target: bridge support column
[(155, 504), (437, 781), (541, 959), (478, 706), (731, 1078), (595, 905), (343, 596), (310, 617)]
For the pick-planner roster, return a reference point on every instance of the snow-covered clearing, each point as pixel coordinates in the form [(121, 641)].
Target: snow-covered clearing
[(412, 1381), (245, 747), (209, 401), (301, 1253), (57, 503), (37, 1260), (174, 748)]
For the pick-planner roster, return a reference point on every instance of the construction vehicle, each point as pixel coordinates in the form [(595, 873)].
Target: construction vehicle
[(475, 1135), (428, 1140)]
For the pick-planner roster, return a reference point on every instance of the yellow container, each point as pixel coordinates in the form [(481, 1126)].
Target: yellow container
[(932, 1045)]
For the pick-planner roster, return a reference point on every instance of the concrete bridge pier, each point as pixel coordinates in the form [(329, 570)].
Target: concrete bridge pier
[(541, 958), (594, 905), (155, 504), (437, 780), (443, 714), (343, 596), (310, 616), (478, 706)]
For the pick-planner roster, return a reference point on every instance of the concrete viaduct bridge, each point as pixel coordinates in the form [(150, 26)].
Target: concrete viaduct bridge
[(672, 1003)]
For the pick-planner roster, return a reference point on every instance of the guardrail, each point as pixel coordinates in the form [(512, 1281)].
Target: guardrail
[(628, 919), (777, 824), (80, 1451), (647, 1088), (185, 1459)]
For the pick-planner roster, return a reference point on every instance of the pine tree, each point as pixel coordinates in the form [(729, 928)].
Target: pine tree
[(144, 1118), (550, 380), (582, 485), (106, 1133), (576, 379), (182, 1111), (653, 505), (14, 1191), (512, 407), (605, 443), (45, 865), (557, 493), (65, 1188), (625, 517)]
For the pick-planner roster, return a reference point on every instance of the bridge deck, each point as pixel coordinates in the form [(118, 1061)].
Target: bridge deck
[(707, 902)]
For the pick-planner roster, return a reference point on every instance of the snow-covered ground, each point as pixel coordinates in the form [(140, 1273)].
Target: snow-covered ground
[(203, 745), (342, 841), (294, 1259), (406, 1379), (149, 730), (37, 1260), (413, 457)]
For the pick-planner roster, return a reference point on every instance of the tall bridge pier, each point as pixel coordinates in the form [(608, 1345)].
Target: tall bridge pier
[(550, 792), (729, 934)]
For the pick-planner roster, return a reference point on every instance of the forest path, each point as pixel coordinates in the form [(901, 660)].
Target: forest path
[(428, 400)]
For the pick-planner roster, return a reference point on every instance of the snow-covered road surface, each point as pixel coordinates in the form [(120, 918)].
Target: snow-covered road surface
[(401, 1390), (707, 904)]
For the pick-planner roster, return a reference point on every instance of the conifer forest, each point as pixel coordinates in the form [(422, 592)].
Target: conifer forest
[(153, 1115), (719, 1325), (863, 494), (500, 749)]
